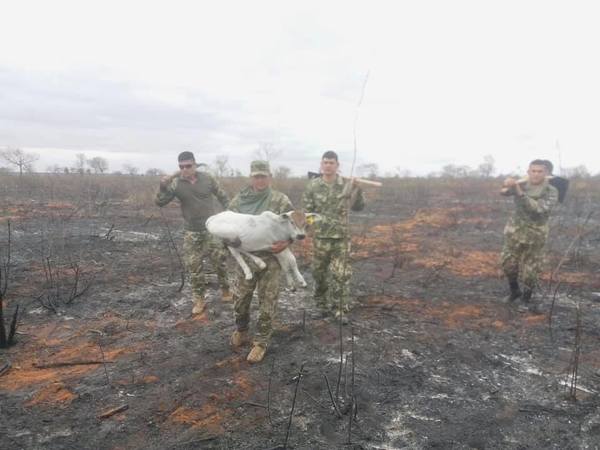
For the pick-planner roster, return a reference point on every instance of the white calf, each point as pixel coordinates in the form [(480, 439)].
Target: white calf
[(245, 233)]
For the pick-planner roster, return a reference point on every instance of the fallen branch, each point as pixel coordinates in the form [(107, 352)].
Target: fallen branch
[(112, 412), (4, 368), (79, 362)]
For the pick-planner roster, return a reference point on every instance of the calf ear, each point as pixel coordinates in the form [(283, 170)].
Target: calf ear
[(286, 215), (312, 218)]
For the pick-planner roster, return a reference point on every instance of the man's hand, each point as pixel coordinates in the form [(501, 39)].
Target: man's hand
[(279, 246), (510, 183), (165, 181)]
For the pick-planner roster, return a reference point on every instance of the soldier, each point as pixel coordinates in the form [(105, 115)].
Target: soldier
[(325, 196), (255, 199), (526, 232), (194, 189)]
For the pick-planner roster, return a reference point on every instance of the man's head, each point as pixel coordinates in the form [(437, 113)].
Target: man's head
[(549, 166), (538, 170), (329, 163), (260, 175), (187, 164)]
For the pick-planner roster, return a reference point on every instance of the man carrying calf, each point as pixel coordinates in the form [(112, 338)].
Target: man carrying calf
[(255, 199)]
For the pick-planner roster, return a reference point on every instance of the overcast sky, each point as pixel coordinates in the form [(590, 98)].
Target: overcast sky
[(448, 81)]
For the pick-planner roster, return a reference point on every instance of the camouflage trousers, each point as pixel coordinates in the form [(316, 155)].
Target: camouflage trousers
[(266, 283), (523, 257), (331, 271), (197, 245)]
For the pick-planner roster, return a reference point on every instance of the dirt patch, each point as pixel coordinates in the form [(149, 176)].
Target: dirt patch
[(54, 394)]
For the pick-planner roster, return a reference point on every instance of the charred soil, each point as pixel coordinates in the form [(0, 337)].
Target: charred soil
[(431, 357)]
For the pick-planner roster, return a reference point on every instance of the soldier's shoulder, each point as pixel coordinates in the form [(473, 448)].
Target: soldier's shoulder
[(278, 196), (313, 183), (207, 176)]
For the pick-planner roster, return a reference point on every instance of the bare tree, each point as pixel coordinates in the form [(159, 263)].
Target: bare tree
[(454, 171), (54, 169), (154, 172), (17, 157), (130, 169), (98, 164), (486, 168), (282, 172), (266, 151), (368, 170), (221, 165), (80, 161), (576, 172)]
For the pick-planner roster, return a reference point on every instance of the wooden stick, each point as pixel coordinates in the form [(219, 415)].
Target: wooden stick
[(112, 412), (522, 180), (4, 368), (85, 362), (366, 182)]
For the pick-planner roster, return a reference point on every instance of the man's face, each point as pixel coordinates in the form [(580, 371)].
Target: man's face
[(260, 182), (187, 168), (329, 166), (537, 174)]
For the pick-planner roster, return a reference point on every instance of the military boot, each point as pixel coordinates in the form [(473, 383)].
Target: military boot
[(239, 338), (515, 292), (527, 298), (256, 354), (199, 304), (226, 295)]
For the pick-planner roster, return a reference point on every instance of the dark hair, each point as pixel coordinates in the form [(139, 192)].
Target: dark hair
[(186, 156), (329, 154), (542, 162)]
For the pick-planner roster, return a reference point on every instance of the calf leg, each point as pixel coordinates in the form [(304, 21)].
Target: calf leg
[(288, 263), (238, 257), (259, 262)]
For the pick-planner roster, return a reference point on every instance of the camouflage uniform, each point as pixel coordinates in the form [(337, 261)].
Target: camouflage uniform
[(331, 240), (265, 282), (197, 205), (526, 232)]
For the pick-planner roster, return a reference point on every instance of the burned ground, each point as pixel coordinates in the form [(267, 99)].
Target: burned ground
[(431, 356)]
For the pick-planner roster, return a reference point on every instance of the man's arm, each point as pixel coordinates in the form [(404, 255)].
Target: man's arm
[(307, 202), (541, 206), (166, 192), (220, 193), (234, 204)]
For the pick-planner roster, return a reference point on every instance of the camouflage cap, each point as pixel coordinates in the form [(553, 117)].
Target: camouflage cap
[(259, 168)]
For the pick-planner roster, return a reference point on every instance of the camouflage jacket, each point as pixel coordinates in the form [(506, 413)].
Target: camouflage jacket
[(196, 199), (277, 203), (530, 219), (325, 199)]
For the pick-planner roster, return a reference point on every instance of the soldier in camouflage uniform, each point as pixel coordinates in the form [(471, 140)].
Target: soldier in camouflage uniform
[(194, 189), (330, 267), (255, 199), (526, 232)]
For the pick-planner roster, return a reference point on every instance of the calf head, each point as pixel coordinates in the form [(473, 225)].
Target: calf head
[(297, 221)]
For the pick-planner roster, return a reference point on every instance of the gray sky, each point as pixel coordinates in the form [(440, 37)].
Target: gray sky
[(449, 82)]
